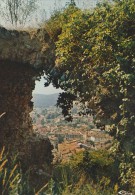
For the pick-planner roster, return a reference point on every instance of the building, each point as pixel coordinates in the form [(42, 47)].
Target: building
[(69, 135)]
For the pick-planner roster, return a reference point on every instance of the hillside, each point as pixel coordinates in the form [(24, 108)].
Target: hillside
[(41, 100)]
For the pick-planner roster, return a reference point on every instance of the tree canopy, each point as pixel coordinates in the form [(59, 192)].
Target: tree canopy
[(95, 62)]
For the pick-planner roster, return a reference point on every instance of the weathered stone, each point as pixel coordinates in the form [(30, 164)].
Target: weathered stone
[(23, 57), (33, 48)]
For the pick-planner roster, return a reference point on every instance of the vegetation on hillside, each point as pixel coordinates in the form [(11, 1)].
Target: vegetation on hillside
[(86, 173), (13, 181)]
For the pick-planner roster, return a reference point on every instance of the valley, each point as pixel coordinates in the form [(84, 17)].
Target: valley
[(67, 138)]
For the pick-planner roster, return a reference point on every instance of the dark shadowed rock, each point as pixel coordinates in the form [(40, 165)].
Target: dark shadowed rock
[(23, 57)]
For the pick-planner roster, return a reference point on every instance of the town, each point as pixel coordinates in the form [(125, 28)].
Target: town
[(68, 138)]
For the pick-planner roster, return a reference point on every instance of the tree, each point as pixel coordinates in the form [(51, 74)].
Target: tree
[(17, 12), (95, 63)]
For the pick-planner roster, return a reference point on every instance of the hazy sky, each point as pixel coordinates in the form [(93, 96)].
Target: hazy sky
[(40, 89)]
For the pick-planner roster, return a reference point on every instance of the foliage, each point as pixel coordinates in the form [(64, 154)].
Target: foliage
[(68, 180), (9, 175), (65, 180), (96, 165), (58, 19), (12, 180), (65, 101), (96, 63)]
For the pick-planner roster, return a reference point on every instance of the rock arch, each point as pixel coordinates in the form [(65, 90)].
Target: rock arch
[(23, 57)]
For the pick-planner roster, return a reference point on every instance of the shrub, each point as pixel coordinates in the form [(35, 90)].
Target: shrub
[(12, 180), (96, 165)]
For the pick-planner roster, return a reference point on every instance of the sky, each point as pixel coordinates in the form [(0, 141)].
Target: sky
[(40, 89)]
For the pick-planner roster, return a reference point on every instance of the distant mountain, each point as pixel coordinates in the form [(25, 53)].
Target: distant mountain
[(41, 100)]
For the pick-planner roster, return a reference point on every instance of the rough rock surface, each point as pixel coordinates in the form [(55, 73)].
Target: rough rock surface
[(23, 56), (16, 85), (33, 48)]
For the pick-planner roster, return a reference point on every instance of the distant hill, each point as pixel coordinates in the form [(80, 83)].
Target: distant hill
[(41, 100)]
